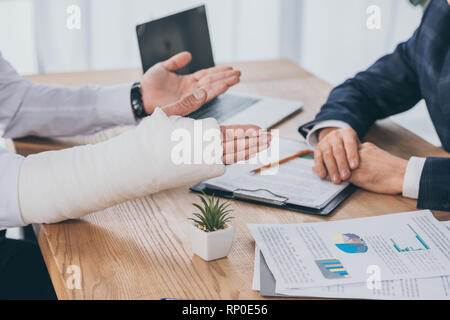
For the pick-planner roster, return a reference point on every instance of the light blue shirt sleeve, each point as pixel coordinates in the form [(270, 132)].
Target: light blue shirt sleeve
[(50, 111), (55, 111)]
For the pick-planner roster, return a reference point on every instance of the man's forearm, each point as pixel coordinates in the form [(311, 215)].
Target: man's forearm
[(67, 184), (45, 110), (53, 111)]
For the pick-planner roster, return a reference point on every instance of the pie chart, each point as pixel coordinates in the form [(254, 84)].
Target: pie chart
[(350, 243)]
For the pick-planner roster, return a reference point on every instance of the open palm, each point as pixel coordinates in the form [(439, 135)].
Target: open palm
[(161, 86)]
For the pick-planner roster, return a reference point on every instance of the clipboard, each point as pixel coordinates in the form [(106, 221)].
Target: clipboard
[(267, 198)]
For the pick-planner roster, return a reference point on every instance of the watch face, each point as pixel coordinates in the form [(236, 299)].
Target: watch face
[(136, 101)]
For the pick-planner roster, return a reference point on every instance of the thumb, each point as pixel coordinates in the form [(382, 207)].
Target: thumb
[(187, 104), (178, 61)]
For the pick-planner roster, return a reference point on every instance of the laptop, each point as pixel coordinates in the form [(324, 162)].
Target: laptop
[(188, 31)]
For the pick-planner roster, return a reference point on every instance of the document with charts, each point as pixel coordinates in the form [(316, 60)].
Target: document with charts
[(401, 246), (435, 288)]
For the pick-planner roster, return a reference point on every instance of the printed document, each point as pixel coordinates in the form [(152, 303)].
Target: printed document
[(397, 246), (422, 288), (294, 180)]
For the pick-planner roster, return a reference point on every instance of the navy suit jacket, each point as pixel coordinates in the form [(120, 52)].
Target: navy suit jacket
[(418, 69)]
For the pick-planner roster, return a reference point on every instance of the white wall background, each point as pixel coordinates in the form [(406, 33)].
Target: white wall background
[(240, 30), (328, 37), (336, 42)]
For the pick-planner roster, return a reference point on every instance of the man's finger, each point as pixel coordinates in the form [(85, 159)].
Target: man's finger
[(340, 157), (219, 76), (351, 144), (187, 104), (231, 81), (319, 166), (232, 132), (246, 154), (233, 146), (178, 61), (202, 73), (330, 164), (216, 89)]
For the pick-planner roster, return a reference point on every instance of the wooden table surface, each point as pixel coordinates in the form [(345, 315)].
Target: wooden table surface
[(140, 249)]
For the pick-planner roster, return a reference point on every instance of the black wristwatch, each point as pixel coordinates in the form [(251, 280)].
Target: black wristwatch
[(136, 101)]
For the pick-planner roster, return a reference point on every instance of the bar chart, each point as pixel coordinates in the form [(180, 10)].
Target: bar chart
[(424, 245)]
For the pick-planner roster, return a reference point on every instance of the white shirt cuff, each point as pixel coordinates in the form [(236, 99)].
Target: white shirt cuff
[(114, 105), (313, 135), (411, 183)]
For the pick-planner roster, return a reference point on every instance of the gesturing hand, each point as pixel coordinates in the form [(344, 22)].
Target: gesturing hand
[(336, 154), (241, 142), (379, 171), (161, 86)]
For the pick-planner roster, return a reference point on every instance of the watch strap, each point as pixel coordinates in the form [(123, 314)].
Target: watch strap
[(136, 101)]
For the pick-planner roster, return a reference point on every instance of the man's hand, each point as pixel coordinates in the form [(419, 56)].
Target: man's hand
[(241, 142), (379, 171), (186, 104), (336, 154), (161, 86)]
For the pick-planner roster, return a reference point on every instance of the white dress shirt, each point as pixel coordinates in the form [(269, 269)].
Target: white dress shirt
[(411, 182), (50, 111)]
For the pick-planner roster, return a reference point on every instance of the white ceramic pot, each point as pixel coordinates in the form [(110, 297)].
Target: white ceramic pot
[(211, 245)]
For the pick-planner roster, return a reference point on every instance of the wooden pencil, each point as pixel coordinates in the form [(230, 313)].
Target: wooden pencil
[(284, 160)]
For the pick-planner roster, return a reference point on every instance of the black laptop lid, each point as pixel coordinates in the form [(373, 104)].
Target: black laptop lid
[(185, 31)]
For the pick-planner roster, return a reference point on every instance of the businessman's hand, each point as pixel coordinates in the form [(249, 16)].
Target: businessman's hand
[(379, 171), (241, 142), (188, 103), (336, 154), (161, 86)]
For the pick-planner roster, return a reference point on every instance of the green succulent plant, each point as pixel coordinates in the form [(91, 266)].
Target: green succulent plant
[(213, 215)]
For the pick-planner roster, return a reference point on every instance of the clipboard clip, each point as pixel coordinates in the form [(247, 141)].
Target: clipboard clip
[(260, 195)]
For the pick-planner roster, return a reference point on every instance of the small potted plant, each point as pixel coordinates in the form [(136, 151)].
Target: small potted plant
[(211, 235)]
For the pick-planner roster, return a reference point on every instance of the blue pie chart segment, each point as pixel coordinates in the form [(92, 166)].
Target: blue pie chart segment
[(350, 243)]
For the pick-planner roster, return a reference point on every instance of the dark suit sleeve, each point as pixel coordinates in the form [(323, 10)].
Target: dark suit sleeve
[(388, 87), (434, 191)]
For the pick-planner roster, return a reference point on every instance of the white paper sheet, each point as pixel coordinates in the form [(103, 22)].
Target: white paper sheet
[(294, 179), (424, 288), (408, 289), (315, 254), (256, 285)]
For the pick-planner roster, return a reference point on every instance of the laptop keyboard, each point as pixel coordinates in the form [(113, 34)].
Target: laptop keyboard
[(223, 107)]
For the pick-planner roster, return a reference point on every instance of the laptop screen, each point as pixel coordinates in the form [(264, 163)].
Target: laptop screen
[(185, 31)]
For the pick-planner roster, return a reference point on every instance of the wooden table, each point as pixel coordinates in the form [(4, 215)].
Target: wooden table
[(140, 249)]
